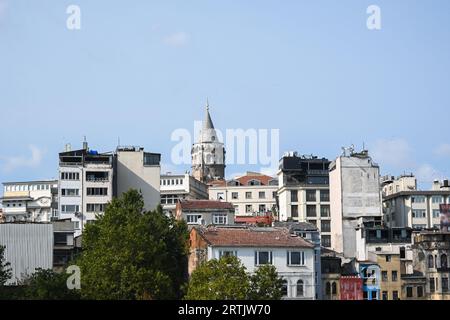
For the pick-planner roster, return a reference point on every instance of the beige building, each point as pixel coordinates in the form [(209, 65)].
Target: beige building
[(355, 197), (251, 194), (391, 284)]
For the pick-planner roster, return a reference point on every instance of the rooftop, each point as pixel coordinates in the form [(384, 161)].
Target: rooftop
[(252, 237), (204, 204)]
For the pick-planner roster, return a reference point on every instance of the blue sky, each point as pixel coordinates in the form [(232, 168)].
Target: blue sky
[(141, 69)]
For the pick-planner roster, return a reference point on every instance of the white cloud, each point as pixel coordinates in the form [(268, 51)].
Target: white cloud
[(177, 39), (10, 164), (394, 152), (443, 150), (426, 173)]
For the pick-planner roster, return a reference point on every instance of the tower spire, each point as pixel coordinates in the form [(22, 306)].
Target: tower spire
[(207, 124)]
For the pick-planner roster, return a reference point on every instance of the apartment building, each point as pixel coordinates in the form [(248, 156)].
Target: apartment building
[(304, 194), (406, 206), (205, 212), (292, 255), (137, 169), (85, 185), (355, 197), (252, 194), (176, 187), (32, 201)]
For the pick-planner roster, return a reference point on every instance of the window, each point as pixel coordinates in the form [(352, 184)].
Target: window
[(436, 213), (418, 199), (311, 211), (220, 218), (384, 276), (262, 195), (430, 261), (263, 257), (402, 253), (324, 195), (437, 199), (254, 182), (419, 291), (97, 191), (326, 241), (310, 195), (248, 195), (334, 288), (328, 288), (70, 192), (294, 196), (70, 208), (444, 261), (388, 258), (220, 196), (95, 207), (419, 214), (394, 275), (385, 295), (193, 218), (70, 176), (300, 288), (325, 226), (432, 285), (236, 209), (234, 195), (227, 253), (294, 211), (395, 295), (274, 194), (248, 208), (151, 159), (284, 288), (373, 295), (77, 224), (296, 258), (409, 292), (324, 211), (444, 284), (262, 208)]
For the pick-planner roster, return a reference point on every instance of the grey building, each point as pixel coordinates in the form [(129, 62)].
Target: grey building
[(205, 212)]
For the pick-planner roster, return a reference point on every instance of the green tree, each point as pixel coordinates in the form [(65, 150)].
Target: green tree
[(5, 267), (223, 279), (265, 284), (45, 284), (129, 253)]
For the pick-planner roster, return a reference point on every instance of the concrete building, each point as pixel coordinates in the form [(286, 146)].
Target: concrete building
[(292, 256), (208, 154), (304, 194), (431, 252), (85, 185), (405, 206), (31, 201), (205, 212), (355, 197), (28, 246), (331, 276), (63, 243), (252, 194), (176, 187), (140, 170)]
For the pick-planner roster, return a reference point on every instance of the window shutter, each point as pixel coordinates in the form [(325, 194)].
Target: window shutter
[(256, 258), (287, 257), (303, 257), (270, 253)]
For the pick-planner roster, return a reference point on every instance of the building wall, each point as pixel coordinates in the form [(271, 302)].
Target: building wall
[(351, 288), (207, 216), (28, 247), (331, 287), (390, 285)]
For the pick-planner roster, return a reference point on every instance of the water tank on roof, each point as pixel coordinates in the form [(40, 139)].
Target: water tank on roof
[(93, 152)]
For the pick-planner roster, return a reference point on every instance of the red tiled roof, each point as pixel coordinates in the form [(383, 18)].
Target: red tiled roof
[(204, 204), (261, 178), (217, 183), (251, 237)]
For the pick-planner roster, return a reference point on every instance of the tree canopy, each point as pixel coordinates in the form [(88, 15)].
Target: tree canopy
[(129, 253), (5, 267)]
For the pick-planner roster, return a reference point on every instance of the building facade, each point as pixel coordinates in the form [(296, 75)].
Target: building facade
[(208, 154), (304, 194), (205, 212), (252, 194), (355, 197), (32, 201), (292, 256), (176, 187)]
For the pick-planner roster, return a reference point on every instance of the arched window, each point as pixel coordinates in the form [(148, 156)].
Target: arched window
[(300, 288), (328, 288), (284, 288), (334, 288), (430, 261), (444, 263)]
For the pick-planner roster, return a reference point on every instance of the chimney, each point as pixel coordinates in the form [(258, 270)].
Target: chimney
[(85, 144), (67, 147)]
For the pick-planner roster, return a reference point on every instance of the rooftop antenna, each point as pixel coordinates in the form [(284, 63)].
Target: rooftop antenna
[(85, 144)]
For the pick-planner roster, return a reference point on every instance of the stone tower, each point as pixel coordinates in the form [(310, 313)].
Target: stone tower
[(208, 154)]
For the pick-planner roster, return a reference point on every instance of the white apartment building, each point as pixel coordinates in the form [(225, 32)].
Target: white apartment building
[(355, 197), (406, 206), (251, 194), (32, 201), (85, 185), (292, 255), (140, 170), (176, 187), (304, 194)]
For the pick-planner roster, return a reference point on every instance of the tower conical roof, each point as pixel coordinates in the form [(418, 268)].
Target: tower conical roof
[(207, 124)]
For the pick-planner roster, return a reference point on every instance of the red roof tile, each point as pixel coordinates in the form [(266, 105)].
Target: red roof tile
[(204, 204), (261, 178), (252, 237)]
